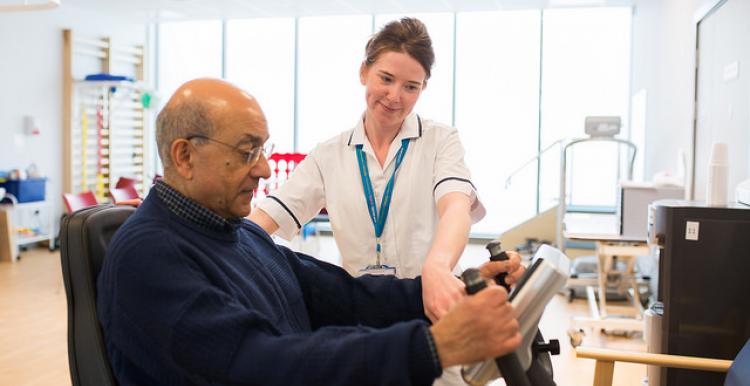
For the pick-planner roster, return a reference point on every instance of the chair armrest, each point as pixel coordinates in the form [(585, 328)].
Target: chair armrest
[(136, 202), (606, 358), (666, 360)]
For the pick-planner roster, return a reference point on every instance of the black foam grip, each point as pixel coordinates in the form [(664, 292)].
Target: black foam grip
[(511, 370), (500, 278)]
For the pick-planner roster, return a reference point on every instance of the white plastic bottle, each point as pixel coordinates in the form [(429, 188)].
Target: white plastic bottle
[(718, 174)]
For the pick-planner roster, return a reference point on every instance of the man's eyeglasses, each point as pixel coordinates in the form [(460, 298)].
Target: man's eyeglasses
[(251, 156)]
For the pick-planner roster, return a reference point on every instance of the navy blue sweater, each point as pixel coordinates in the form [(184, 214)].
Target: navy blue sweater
[(182, 305)]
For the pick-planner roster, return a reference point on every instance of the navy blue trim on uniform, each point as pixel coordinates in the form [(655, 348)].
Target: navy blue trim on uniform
[(453, 178), (286, 208), (350, 139)]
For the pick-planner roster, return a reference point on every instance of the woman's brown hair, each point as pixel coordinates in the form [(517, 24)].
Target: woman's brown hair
[(408, 35)]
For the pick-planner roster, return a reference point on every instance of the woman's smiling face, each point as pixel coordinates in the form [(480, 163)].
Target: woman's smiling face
[(393, 84)]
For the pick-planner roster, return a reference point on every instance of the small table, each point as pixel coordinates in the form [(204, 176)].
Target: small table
[(7, 236), (37, 214), (608, 245)]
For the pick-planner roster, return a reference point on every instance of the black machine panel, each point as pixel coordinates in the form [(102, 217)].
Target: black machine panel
[(704, 284)]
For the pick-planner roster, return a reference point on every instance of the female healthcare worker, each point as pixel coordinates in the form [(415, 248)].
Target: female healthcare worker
[(399, 196), (395, 172)]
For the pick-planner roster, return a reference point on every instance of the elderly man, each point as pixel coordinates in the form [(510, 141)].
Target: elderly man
[(192, 293)]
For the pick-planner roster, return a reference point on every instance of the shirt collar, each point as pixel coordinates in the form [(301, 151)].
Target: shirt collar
[(192, 211), (411, 128)]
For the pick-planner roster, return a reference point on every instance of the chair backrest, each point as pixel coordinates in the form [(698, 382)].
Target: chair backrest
[(84, 238), (282, 165), (126, 193), (739, 373), (125, 181), (74, 202)]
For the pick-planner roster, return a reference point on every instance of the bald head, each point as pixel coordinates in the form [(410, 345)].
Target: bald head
[(218, 96), (203, 107)]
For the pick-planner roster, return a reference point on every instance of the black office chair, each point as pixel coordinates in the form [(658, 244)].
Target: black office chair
[(84, 237)]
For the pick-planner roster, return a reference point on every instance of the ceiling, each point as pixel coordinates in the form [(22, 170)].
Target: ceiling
[(155, 10)]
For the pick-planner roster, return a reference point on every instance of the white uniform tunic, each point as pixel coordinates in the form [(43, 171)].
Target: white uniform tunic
[(329, 177)]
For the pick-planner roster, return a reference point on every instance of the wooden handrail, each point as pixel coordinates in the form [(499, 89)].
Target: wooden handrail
[(666, 360)]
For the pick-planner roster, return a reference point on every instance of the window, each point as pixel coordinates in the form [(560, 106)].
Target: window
[(260, 59), (512, 82), (497, 102), (187, 50), (330, 96), (585, 71)]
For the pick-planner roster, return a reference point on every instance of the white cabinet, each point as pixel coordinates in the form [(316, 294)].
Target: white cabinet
[(23, 224)]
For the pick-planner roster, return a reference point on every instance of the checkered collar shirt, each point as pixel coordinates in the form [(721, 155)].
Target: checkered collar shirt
[(192, 211)]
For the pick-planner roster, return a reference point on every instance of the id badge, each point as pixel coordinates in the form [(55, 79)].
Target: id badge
[(374, 269)]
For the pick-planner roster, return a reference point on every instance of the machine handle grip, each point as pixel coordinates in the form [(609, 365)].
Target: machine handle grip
[(497, 254), (508, 364)]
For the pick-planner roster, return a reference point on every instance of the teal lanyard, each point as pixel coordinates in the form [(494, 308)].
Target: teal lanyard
[(378, 219)]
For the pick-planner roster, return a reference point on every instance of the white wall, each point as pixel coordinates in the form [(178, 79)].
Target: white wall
[(31, 83), (664, 66)]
